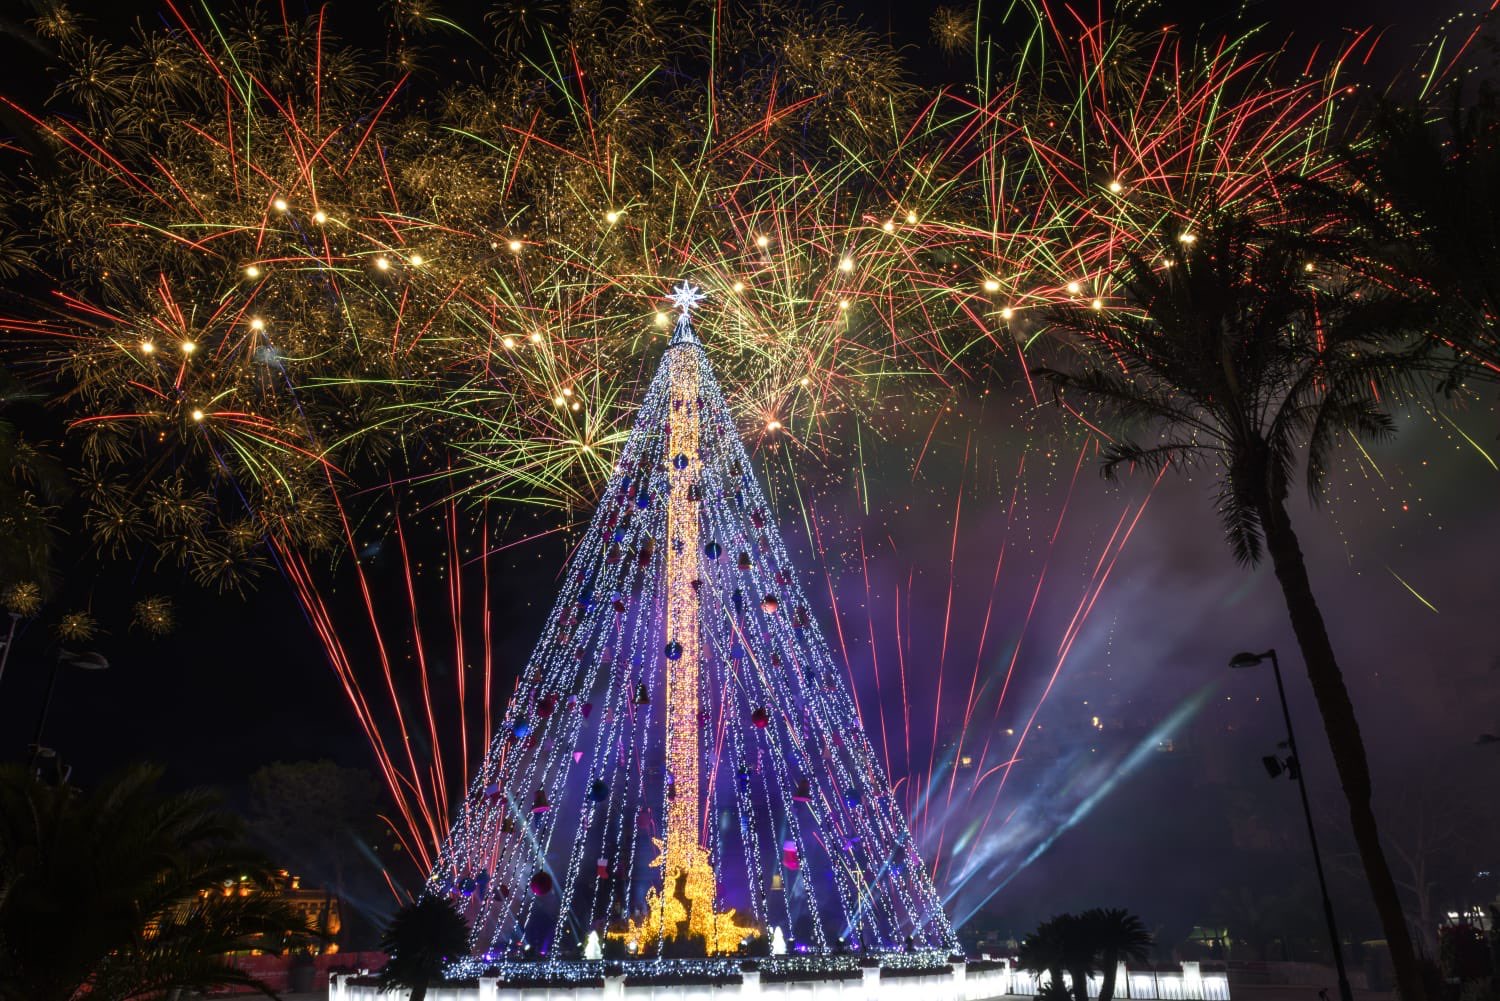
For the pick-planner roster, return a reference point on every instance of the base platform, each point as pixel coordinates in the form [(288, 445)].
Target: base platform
[(899, 977)]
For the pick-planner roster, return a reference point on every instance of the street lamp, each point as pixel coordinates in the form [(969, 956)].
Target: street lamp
[(85, 661), (1293, 766)]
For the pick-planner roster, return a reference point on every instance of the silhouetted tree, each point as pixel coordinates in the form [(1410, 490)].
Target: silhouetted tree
[(1099, 939), (422, 938), (1059, 946), (1119, 936), (1050, 949)]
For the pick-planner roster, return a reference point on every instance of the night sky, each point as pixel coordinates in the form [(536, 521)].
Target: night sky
[(242, 682)]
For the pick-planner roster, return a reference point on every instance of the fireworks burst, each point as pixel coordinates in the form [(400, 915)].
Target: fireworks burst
[(302, 306)]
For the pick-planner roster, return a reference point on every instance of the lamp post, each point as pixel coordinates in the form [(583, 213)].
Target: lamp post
[(15, 620), (86, 661), (1241, 660)]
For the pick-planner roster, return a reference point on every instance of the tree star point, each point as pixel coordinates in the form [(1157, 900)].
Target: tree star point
[(685, 297)]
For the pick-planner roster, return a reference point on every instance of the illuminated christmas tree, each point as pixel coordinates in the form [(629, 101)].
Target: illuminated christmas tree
[(682, 770)]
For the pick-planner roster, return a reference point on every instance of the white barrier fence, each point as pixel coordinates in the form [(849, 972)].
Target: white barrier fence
[(958, 983), (1188, 984)]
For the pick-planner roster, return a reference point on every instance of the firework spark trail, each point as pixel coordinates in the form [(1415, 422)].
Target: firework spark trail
[(937, 701), (419, 786), (885, 741), (328, 633), (413, 778), (971, 700)]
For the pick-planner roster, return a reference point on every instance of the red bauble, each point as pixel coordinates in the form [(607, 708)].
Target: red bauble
[(760, 718), (541, 883)]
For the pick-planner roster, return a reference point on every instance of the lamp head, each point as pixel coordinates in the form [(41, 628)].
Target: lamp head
[(88, 660), (1246, 659)]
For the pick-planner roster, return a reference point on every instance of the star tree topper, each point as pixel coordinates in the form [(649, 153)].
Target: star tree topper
[(686, 297)]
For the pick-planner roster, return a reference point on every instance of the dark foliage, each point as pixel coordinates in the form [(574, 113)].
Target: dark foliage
[(120, 892), (422, 939)]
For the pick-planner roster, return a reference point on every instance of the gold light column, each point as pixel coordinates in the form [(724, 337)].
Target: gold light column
[(683, 606)]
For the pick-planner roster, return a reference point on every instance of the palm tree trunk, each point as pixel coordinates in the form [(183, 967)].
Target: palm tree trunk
[(1057, 977), (1111, 964), (1342, 729), (1080, 983)]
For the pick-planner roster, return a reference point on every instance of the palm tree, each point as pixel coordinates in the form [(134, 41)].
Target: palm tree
[(1230, 357), (1119, 936), (120, 892), (422, 938)]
